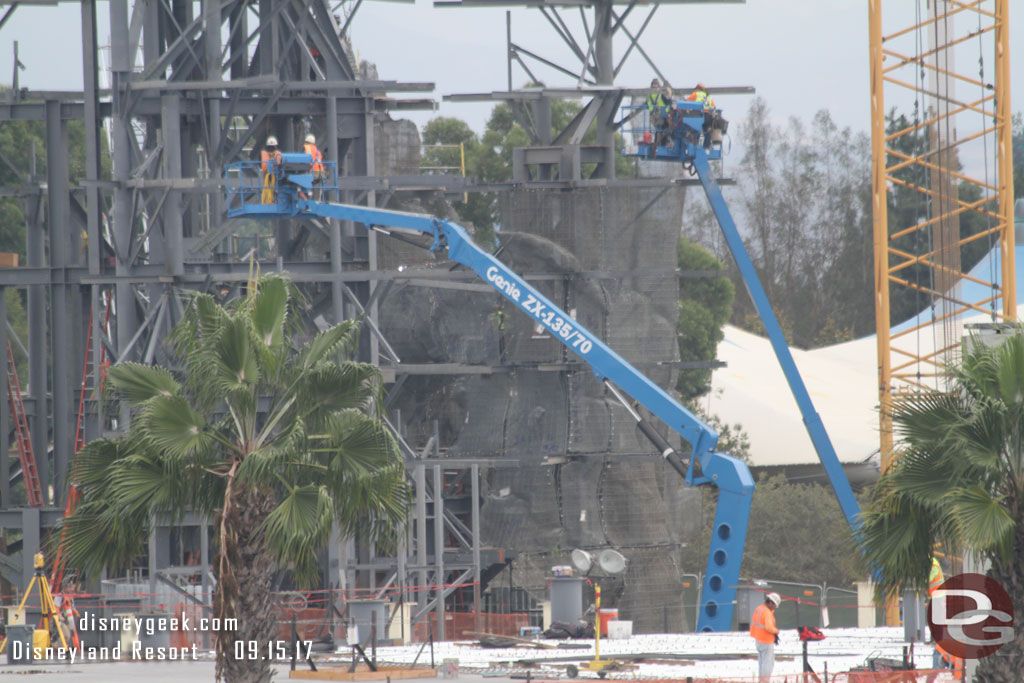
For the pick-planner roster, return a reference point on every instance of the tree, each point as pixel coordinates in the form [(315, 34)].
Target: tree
[(279, 441), (805, 205), (705, 305), (797, 533), (488, 159), (958, 482)]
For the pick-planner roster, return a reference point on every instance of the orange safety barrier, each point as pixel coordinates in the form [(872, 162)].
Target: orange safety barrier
[(458, 624)]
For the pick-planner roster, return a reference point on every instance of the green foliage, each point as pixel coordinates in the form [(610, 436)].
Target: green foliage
[(250, 411), (797, 533), (488, 159), (806, 207), (705, 305), (959, 478), (23, 145)]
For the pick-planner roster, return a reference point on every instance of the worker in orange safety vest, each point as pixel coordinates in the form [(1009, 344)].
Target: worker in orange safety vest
[(765, 634), (317, 167), (68, 620), (941, 658), (270, 159)]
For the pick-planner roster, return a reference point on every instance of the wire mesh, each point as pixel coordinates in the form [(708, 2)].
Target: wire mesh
[(608, 257)]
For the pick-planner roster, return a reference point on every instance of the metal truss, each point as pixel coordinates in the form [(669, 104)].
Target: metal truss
[(947, 67)]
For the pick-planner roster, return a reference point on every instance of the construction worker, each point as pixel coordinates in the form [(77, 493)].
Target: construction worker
[(700, 94), (657, 106), (941, 658), (68, 620), (317, 167), (270, 159), (765, 634)]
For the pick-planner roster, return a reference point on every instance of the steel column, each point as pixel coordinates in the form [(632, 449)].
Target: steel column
[(438, 498), (58, 213), (38, 360), (1004, 142)]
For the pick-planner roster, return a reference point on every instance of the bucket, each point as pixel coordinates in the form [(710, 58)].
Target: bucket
[(620, 630), (606, 616), (40, 641)]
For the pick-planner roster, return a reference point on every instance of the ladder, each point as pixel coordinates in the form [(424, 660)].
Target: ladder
[(23, 442), (73, 495)]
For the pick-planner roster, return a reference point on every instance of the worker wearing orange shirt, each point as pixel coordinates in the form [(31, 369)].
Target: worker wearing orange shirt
[(317, 167), (941, 658), (765, 634)]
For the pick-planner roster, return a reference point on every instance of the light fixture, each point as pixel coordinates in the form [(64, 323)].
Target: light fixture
[(612, 561), (582, 560)]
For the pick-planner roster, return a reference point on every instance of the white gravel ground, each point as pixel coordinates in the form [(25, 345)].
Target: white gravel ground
[(841, 650)]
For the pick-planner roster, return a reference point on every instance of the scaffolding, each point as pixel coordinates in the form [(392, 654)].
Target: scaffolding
[(942, 187)]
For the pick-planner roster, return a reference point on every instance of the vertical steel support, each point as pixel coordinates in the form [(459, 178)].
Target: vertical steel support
[(38, 360), (604, 60), (211, 40), (438, 498), (30, 521), (422, 559), (170, 123), (1004, 142), (5, 422), (475, 524), (334, 225), (58, 220), (120, 127), (880, 222)]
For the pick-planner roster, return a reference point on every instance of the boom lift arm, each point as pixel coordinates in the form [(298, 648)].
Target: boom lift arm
[(691, 133), (704, 466)]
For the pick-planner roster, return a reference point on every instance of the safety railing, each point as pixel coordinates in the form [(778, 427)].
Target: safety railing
[(250, 186)]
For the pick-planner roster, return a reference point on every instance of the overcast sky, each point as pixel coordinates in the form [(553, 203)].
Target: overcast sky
[(800, 55)]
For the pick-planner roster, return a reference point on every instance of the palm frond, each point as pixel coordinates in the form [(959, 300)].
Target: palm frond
[(984, 523), (137, 383), (339, 339), (269, 310), (298, 527), (176, 428)]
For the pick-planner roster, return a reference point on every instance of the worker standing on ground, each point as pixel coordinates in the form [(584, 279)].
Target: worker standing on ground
[(317, 167), (270, 159), (941, 658), (765, 634)]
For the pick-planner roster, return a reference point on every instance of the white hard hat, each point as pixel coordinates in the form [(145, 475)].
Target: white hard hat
[(774, 597), (311, 138), (271, 141)]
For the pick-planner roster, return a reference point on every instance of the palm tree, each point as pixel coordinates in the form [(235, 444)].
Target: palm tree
[(959, 482), (277, 441)]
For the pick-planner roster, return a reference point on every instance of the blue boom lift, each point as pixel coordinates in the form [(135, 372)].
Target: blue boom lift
[(292, 197)]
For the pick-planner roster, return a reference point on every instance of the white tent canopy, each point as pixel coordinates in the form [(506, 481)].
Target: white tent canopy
[(841, 379)]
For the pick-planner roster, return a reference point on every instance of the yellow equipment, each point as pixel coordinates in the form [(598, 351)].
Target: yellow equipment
[(598, 665), (46, 605)]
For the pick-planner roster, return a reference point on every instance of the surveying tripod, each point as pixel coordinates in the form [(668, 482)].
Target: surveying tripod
[(46, 604)]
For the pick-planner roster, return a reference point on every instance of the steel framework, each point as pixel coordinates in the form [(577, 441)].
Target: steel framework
[(942, 186), (192, 86)]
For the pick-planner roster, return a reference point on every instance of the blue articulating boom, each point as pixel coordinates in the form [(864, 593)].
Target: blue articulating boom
[(289, 198), (685, 132)]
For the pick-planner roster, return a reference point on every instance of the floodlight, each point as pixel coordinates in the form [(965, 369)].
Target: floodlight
[(612, 561), (582, 560)]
